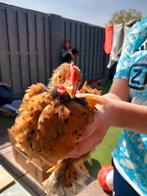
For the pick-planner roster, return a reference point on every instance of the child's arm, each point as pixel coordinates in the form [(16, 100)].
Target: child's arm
[(127, 115), (113, 112), (119, 90)]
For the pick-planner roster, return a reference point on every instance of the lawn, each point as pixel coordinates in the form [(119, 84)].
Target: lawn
[(102, 155), (103, 150)]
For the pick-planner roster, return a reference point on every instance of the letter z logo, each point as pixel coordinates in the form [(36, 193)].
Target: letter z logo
[(138, 76)]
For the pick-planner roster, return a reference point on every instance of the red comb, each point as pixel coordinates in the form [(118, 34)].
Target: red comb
[(73, 75), (68, 72)]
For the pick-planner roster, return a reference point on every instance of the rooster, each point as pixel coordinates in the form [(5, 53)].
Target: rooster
[(49, 126)]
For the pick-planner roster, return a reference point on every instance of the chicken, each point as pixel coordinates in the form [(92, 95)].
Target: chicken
[(49, 126), (88, 89)]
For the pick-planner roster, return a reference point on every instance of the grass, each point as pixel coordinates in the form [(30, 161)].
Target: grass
[(106, 86), (102, 155), (103, 150)]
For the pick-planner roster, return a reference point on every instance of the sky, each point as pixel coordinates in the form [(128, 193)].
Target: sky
[(95, 12)]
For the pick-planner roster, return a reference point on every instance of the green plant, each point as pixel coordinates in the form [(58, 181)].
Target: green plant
[(124, 16)]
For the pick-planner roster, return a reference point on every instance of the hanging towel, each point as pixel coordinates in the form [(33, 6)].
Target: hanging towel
[(108, 39), (117, 44), (127, 27)]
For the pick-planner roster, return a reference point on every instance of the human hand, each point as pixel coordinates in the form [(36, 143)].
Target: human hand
[(70, 51), (94, 132)]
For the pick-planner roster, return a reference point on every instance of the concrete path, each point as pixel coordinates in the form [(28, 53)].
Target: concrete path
[(93, 189)]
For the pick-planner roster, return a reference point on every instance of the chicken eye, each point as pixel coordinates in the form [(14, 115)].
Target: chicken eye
[(60, 79)]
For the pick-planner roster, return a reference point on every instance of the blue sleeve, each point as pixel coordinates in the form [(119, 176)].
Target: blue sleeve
[(63, 52), (135, 37), (122, 69)]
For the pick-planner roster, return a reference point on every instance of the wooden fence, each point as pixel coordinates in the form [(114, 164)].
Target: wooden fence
[(30, 44)]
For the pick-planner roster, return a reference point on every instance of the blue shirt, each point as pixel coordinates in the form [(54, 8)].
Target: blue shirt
[(130, 155)]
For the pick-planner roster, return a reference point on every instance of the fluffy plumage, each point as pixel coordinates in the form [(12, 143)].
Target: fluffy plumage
[(50, 121)]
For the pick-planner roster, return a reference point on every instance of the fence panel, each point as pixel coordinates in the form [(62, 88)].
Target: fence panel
[(31, 42)]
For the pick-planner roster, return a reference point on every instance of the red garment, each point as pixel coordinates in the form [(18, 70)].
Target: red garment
[(108, 39)]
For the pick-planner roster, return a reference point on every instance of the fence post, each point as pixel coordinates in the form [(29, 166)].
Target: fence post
[(57, 38)]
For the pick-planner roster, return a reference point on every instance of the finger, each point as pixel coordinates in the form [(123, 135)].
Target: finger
[(90, 128), (87, 132), (86, 95), (90, 142), (98, 107), (77, 155), (86, 145), (91, 99)]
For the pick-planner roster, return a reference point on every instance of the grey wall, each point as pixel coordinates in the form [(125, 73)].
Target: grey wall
[(30, 45)]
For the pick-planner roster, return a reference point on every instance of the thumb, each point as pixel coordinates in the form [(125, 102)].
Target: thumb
[(91, 99)]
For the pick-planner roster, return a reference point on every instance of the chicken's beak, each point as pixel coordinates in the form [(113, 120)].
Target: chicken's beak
[(71, 90), (72, 78)]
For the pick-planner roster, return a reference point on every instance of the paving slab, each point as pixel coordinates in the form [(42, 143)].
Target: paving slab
[(93, 189), (6, 179), (16, 190), (8, 161), (23, 180), (32, 184), (6, 150)]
